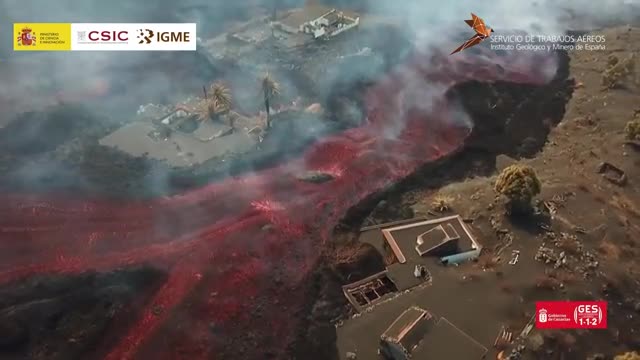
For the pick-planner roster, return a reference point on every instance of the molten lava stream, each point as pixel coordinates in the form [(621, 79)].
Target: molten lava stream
[(244, 246), (56, 263), (38, 242), (231, 302), (182, 279)]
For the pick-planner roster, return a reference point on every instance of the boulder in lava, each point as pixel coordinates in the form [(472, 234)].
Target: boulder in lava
[(316, 177)]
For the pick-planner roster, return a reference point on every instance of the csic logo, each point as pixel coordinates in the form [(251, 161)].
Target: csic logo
[(145, 36), (26, 37), (112, 36), (542, 316), (148, 36)]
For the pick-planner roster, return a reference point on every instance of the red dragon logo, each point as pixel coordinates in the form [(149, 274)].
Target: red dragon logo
[(26, 37)]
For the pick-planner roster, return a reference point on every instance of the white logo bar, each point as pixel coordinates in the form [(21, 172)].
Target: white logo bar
[(133, 37)]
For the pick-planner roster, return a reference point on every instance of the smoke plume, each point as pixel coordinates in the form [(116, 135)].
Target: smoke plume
[(114, 84)]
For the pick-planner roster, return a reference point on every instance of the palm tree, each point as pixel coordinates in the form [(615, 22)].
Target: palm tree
[(204, 109), (218, 101), (274, 9), (270, 89), (221, 98)]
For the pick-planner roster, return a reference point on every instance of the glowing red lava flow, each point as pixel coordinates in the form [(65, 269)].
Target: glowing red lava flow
[(238, 251)]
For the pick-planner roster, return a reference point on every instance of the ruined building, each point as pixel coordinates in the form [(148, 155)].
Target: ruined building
[(317, 21)]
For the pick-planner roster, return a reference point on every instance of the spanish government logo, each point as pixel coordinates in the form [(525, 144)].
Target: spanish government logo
[(26, 37), (42, 37)]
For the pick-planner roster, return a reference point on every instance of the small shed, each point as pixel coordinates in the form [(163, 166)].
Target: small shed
[(406, 333)]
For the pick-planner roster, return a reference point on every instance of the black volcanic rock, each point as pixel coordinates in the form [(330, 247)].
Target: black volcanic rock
[(316, 177), (65, 317)]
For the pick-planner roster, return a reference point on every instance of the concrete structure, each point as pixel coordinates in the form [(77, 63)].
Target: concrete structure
[(438, 241), (405, 333), (447, 238), (161, 138), (317, 21), (417, 334), (415, 244), (421, 243), (253, 32), (370, 290), (466, 313)]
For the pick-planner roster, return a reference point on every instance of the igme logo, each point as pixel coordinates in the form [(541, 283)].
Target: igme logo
[(145, 36), (174, 36)]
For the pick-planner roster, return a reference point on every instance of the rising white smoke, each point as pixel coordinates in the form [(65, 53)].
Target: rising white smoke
[(34, 80)]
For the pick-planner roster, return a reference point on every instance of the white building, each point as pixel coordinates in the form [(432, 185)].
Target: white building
[(317, 21)]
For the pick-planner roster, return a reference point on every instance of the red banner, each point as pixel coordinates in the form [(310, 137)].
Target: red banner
[(571, 315)]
